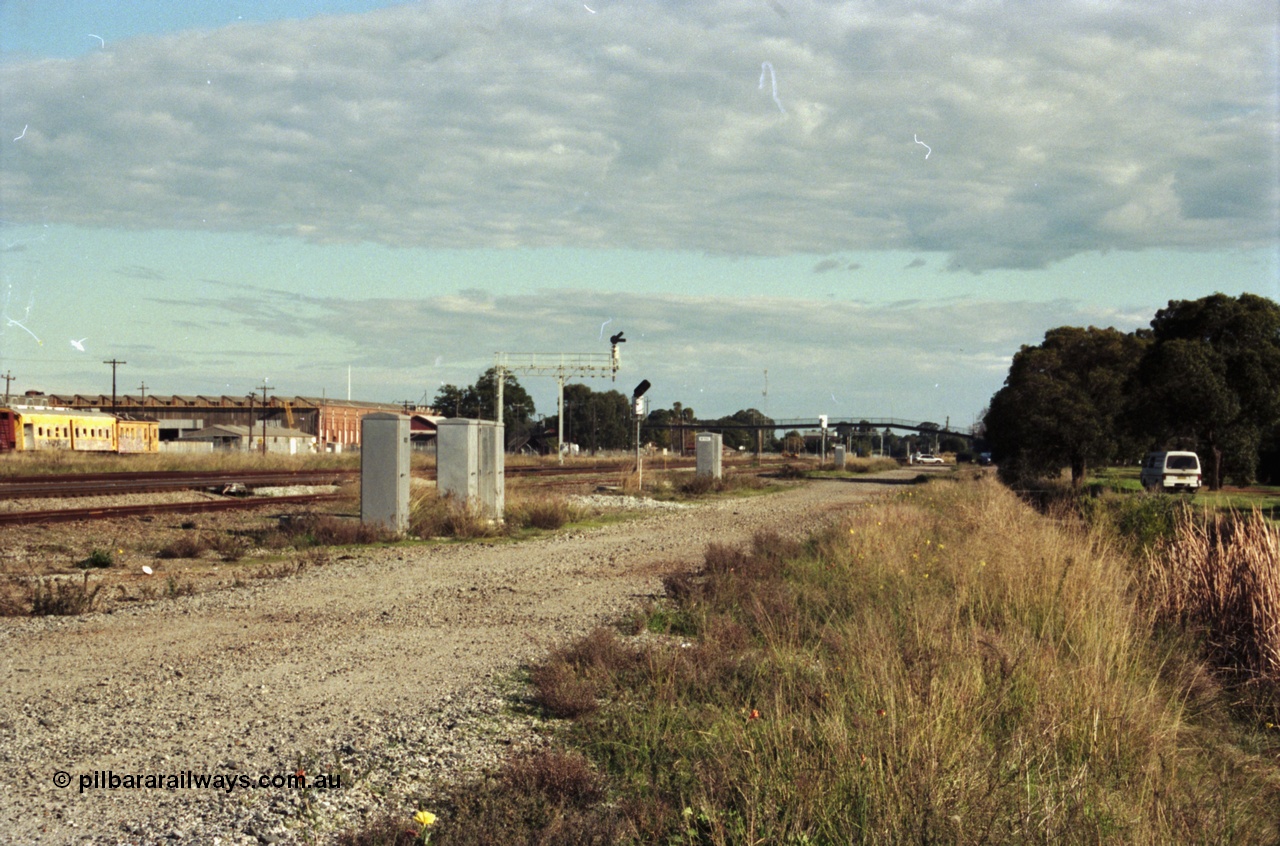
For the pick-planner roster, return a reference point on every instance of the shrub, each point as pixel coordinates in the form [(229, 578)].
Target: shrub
[(547, 513), (1139, 520), (186, 546), (58, 597), (544, 797), (432, 516), (702, 485), (98, 559), (383, 830), (307, 530)]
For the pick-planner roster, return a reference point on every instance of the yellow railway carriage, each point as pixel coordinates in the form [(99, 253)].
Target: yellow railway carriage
[(137, 436), (40, 429)]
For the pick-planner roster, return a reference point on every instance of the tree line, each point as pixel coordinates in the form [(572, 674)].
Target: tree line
[(595, 420), (1204, 377)]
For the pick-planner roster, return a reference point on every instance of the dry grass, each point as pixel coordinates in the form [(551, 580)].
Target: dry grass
[(547, 513), (1220, 576), (946, 667), (433, 516), (48, 596)]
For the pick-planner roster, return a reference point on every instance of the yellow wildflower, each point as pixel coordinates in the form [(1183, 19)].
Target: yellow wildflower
[(426, 819)]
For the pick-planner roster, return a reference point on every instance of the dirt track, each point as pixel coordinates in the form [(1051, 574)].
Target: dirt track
[(390, 667)]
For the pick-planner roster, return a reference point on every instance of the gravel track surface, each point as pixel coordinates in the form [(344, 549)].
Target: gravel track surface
[(393, 668)]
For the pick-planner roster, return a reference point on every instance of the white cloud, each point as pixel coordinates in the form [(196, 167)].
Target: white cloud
[(1054, 129)]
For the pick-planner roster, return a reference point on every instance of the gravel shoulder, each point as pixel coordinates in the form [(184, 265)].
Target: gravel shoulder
[(392, 668)]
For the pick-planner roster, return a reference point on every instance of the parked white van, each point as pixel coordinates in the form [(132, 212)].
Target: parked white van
[(1171, 471)]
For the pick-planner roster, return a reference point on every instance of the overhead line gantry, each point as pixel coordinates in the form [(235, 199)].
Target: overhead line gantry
[(562, 366)]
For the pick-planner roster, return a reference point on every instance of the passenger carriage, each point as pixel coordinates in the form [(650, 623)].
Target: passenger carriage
[(40, 429)]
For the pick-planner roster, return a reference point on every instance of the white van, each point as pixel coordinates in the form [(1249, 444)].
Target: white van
[(1171, 471)]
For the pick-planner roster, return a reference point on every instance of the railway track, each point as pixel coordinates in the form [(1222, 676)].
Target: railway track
[(107, 484), (68, 515), (119, 484)]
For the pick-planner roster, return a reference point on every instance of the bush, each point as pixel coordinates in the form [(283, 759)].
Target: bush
[(546, 513), (186, 546), (1139, 520), (99, 559), (58, 597), (302, 531), (703, 485), (432, 516)]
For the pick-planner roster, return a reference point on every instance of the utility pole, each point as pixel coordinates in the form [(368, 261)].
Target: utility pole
[(114, 364), (8, 377), (143, 389), (264, 387)]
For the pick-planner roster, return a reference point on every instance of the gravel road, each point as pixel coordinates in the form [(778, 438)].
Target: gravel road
[(392, 668)]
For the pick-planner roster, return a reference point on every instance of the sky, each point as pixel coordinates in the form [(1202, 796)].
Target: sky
[(859, 209)]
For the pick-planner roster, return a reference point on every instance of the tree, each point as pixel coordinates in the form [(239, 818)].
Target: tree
[(1183, 399), (656, 428), (477, 402), (596, 420), (1235, 370), (452, 401), (738, 438), (1062, 403)]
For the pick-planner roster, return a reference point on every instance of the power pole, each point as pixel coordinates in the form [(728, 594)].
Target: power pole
[(114, 364), (143, 389), (264, 387), (8, 377)]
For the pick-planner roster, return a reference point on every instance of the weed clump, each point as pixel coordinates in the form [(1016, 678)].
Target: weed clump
[(547, 513), (99, 559), (62, 597), (186, 546), (304, 531), (432, 516), (729, 483), (547, 796)]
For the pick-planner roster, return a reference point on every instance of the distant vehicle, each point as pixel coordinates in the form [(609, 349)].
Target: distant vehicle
[(926, 458), (984, 459), (1171, 471)]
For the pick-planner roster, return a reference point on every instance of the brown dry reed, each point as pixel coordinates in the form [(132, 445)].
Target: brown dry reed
[(1219, 576)]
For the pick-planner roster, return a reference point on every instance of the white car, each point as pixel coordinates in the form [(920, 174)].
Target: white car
[(1171, 471), (926, 458)]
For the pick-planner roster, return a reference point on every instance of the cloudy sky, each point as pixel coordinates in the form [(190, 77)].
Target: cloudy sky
[(875, 202)]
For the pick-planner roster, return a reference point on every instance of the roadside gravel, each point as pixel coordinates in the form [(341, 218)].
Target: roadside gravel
[(393, 668)]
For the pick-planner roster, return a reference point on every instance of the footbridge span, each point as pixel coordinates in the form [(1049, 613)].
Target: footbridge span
[(841, 425)]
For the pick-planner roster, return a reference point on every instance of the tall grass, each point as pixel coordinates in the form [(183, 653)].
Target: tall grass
[(1219, 575), (947, 667), (434, 516)]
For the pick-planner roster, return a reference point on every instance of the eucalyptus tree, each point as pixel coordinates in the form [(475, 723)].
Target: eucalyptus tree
[(1212, 375), (1063, 403)]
